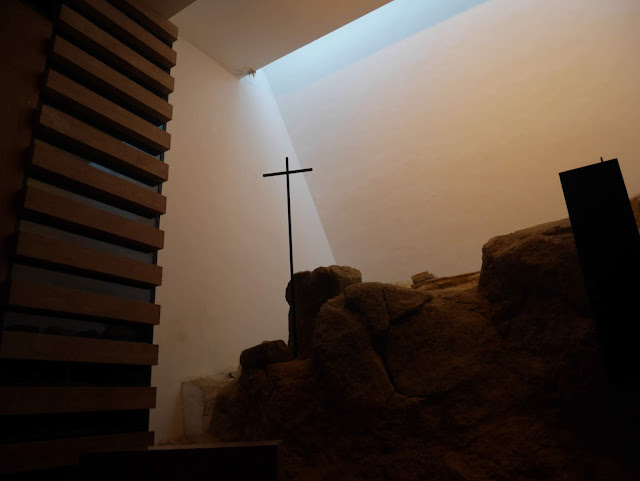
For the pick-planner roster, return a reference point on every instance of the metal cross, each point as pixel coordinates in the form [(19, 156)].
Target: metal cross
[(288, 172)]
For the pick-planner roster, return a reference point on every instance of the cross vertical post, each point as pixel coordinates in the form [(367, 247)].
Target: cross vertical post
[(294, 324), (288, 172)]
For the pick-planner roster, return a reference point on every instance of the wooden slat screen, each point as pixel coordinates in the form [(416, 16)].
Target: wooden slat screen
[(114, 52), (105, 114), (75, 216), (55, 300), (88, 217), (38, 400), (42, 250), (85, 140), (58, 167), (160, 27), (78, 64), (127, 30), (63, 452), (25, 345)]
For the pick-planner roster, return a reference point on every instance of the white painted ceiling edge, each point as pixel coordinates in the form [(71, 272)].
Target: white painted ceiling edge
[(245, 35)]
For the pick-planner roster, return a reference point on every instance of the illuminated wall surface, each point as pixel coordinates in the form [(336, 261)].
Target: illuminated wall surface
[(361, 38), (226, 255), (431, 127), (434, 126)]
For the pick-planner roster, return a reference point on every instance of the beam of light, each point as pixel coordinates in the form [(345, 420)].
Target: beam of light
[(364, 36)]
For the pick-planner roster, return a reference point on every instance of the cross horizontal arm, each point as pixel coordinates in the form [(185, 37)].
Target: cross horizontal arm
[(287, 172)]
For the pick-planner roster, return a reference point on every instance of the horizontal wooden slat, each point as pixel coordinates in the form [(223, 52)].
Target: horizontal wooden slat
[(53, 399), (105, 114), (113, 52), (90, 142), (67, 214), (52, 253), (159, 26), (105, 80), (58, 167), (66, 452), (71, 302), (46, 347), (125, 29)]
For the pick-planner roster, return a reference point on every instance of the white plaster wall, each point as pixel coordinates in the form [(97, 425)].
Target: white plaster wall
[(225, 259), (427, 148)]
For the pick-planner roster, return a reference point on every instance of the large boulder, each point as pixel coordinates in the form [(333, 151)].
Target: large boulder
[(451, 381), (348, 342), (268, 352), (312, 290), (419, 350), (538, 261)]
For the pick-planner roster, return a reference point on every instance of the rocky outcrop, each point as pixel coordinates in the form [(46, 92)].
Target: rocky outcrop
[(635, 206), (539, 261), (312, 290), (268, 352), (350, 339), (461, 281), (496, 378), (422, 278)]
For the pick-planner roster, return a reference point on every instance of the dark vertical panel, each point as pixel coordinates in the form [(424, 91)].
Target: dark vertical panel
[(608, 245), (24, 38)]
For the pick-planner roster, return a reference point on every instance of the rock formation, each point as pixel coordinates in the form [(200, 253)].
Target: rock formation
[(420, 279), (313, 289), (495, 377), (461, 281)]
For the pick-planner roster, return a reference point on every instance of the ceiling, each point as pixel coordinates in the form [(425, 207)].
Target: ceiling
[(248, 34), (165, 8)]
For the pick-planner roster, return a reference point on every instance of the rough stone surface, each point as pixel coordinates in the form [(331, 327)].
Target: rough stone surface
[(635, 206), (461, 281), (268, 352), (496, 381), (420, 350), (313, 289), (422, 277), (402, 301), (541, 260), (367, 299)]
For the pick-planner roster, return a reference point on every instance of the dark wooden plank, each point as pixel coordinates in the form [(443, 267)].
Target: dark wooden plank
[(51, 253), (125, 29), (89, 142), (160, 27), (58, 167), (64, 213), (53, 399), (113, 52), (23, 49), (105, 114), (105, 80), (42, 298), (46, 347), (66, 452)]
